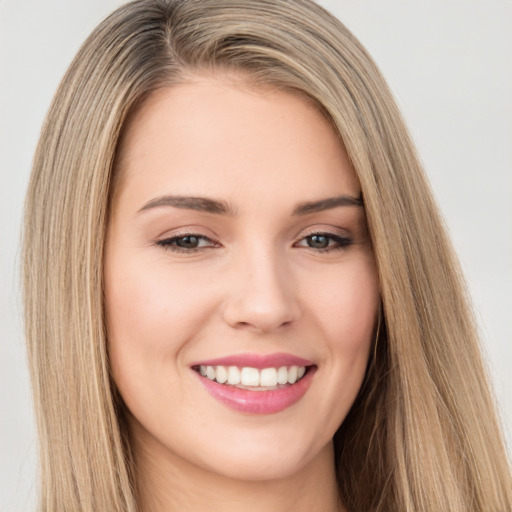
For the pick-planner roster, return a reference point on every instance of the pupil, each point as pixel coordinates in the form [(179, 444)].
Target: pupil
[(318, 241), (188, 242)]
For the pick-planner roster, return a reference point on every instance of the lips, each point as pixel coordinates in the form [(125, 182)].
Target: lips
[(256, 384)]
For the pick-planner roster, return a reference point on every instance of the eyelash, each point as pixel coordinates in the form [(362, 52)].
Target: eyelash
[(340, 242), (170, 244)]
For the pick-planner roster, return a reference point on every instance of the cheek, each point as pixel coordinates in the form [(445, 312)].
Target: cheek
[(151, 315), (150, 312), (147, 302), (346, 307), (344, 311)]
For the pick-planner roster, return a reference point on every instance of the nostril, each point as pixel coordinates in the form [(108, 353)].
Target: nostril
[(261, 320)]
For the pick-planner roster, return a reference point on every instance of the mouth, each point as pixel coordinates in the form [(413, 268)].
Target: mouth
[(253, 379), (256, 384)]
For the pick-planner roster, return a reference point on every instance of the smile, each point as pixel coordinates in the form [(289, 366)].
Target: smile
[(253, 378), (256, 384)]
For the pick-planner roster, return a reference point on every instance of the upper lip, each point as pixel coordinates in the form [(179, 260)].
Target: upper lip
[(258, 361)]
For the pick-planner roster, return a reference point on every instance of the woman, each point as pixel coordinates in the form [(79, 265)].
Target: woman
[(226, 187)]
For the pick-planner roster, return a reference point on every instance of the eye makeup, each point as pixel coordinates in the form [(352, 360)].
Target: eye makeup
[(187, 243)]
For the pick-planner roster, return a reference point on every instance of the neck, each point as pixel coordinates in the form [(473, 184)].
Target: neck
[(166, 483)]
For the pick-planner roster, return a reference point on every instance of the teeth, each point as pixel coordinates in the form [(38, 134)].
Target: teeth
[(249, 377), (210, 372), (292, 374), (268, 377), (252, 377), (221, 374), (233, 375), (282, 375)]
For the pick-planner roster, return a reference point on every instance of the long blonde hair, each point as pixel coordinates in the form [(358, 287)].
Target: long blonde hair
[(422, 434)]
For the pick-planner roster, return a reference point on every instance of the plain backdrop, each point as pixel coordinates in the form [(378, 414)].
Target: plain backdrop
[(449, 63)]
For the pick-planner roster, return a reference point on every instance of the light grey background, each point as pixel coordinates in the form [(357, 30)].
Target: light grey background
[(449, 63)]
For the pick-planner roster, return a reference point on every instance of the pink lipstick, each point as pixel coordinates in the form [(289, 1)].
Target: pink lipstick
[(257, 361), (256, 384)]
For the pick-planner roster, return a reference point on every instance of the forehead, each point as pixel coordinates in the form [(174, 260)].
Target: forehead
[(215, 137)]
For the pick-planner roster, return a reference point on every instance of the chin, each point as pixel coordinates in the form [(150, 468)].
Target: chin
[(258, 462)]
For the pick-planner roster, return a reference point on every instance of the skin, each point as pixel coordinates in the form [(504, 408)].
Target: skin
[(254, 285)]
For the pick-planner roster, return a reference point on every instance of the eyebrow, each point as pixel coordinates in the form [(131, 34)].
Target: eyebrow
[(201, 204), (219, 207), (327, 204)]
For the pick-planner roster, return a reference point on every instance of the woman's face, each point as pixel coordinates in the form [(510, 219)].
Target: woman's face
[(237, 248)]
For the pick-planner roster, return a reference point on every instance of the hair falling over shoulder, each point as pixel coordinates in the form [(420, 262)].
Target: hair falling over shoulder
[(423, 433)]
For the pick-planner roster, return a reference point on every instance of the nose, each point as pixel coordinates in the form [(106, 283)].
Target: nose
[(262, 297)]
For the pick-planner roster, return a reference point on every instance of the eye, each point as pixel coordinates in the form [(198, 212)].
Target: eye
[(324, 242), (318, 241), (187, 243)]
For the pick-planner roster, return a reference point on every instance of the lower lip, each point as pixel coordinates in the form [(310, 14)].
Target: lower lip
[(259, 402)]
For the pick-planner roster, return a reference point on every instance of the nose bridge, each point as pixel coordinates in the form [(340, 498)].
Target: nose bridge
[(262, 297)]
